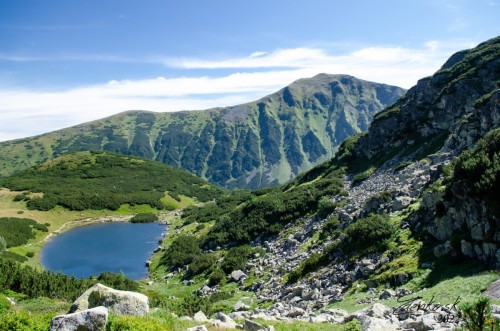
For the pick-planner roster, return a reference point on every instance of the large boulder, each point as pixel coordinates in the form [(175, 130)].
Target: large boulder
[(118, 302), (94, 319)]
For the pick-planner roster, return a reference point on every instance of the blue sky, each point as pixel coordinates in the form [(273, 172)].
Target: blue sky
[(64, 62)]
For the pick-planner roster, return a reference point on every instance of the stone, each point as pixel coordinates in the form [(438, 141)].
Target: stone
[(369, 323), (93, 319), (253, 326), (222, 321), (466, 248), (401, 203), (240, 306), (493, 291), (387, 294), (421, 323), (237, 275), (295, 312), (200, 317), (118, 302), (198, 328)]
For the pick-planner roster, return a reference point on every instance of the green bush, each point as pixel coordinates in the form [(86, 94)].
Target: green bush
[(363, 176), (144, 218), (30, 254), (17, 231), (216, 277), (183, 251), (3, 244), (330, 226), (476, 316), (368, 234), (86, 180), (201, 264), (479, 169), (237, 258), (118, 281), (21, 321)]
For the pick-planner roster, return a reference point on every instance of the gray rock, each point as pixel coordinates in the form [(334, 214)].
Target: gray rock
[(222, 321), (369, 323), (240, 306), (198, 328), (118, 302), (422, 323), (295, 312), (253, 326), (493, 291), (237, 275), (94, 319), (387, 294), (401, 203), (200, 317)]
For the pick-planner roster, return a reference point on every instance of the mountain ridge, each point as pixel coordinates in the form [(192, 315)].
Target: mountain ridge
[(252, 145)]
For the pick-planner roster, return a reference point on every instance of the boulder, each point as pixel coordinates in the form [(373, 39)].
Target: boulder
[(493, 292), (223, 321), (94, 319), (198, 328), (118, 302), (253, 326), (237, 275), (376, 324), (240, 306), (200, 317)]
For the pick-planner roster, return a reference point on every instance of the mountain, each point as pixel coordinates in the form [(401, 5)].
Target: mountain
[(411, 204), (105, 180), (253, 145)]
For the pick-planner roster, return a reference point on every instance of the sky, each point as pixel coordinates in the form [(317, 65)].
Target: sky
[(65, 62)]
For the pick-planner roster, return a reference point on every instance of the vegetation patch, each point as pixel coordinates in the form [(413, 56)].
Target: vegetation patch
[(17, 231), (103, 180)]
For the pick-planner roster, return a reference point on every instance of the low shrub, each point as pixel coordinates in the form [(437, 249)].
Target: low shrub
[(216, 277), (368, 234), (144, 218), (183, 251)]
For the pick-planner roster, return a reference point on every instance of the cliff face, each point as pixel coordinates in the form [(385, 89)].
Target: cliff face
[(451, 110)]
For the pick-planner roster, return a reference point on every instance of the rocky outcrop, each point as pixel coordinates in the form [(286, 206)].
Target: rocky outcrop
[(93, 319), (118, 302)]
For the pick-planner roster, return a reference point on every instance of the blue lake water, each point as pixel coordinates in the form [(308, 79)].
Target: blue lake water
[(93, 249)]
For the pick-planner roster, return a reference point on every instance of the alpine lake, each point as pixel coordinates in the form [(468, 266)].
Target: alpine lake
[(103, 247)]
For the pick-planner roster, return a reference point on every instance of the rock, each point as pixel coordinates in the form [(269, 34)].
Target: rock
[(443, 249), (253, 326), (376, 310), (401, 203), (237, 275), (422, 323), (118, 302), (94, 319), (240, 306), (387, 294), (295, 312), (376, 324), (222, 321), (493, 291), (200, 317), (198, 328)]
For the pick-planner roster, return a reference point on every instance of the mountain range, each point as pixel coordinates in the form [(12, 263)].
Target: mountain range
[(253, 145)]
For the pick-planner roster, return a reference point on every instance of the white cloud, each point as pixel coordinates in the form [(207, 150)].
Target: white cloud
[(27, 112)]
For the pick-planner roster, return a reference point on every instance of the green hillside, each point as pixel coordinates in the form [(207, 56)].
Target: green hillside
[(104, 180), (253, 145)]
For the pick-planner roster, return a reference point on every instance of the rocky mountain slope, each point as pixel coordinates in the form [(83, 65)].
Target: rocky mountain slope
[(253, 145), (413, 199)]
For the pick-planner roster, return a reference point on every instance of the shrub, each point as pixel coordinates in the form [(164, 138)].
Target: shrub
[(368, 234), (20, 321), (3, 244), (477, 315), (183, 250), (17, 231), (364, 175), (329, 227), (216, 277), (144, 218), (236, 258), (202, 263), (30, 254), (118, 281)]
